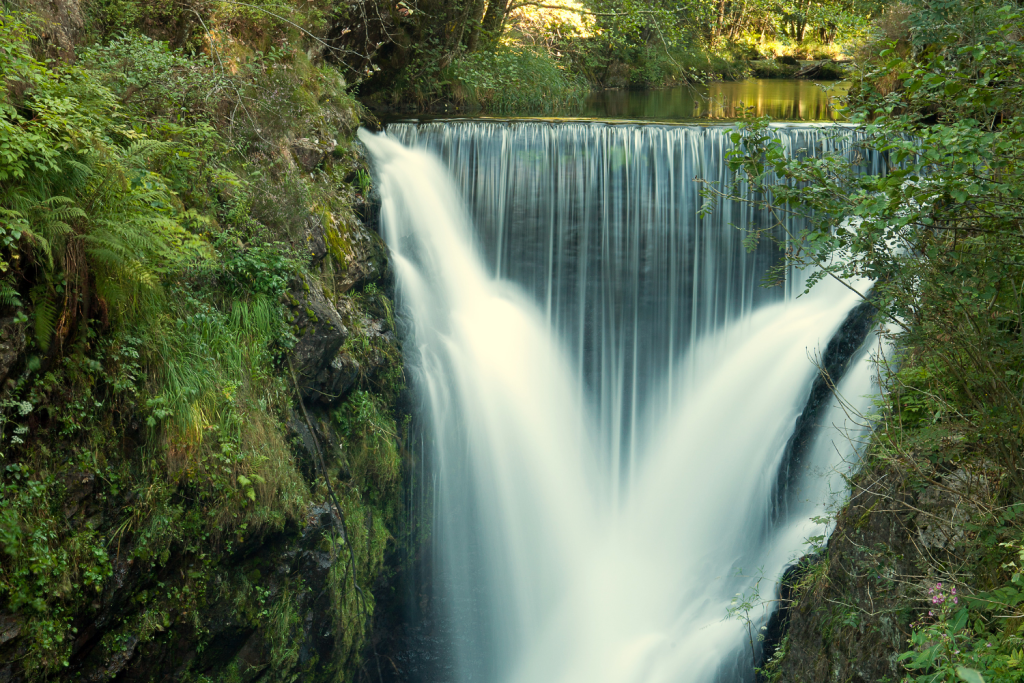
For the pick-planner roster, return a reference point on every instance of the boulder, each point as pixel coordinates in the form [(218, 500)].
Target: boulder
[(309, 153)]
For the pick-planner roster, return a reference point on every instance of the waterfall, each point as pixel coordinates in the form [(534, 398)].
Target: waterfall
[(609, 393)]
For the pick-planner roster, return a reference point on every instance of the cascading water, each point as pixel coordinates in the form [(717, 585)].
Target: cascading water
[(608, 392)]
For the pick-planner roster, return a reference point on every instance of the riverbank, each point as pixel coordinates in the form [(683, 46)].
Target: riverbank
[(749, 83)]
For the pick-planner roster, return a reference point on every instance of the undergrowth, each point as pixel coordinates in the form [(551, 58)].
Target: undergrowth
[(939, 234), (515, 78), (152, 215)]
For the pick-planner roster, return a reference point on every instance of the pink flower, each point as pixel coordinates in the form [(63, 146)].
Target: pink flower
[(953, 590)]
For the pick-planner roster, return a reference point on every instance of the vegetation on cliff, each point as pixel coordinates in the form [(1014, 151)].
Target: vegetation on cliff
[(923, 576), (199, 456)]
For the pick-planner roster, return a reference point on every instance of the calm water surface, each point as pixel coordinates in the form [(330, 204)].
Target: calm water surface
[(782, 99)]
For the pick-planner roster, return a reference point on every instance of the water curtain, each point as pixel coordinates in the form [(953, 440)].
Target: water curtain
[(609, 392)]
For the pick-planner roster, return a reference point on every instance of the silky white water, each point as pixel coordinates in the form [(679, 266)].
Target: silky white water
[(606, 446)]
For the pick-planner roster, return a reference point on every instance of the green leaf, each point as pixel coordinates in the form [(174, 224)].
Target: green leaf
[(959, 621), (969, 675)]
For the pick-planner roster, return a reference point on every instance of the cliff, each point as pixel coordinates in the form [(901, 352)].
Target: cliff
[(202, 462)]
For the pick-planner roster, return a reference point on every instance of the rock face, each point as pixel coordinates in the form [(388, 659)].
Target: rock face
[(12, 343), (833, 364), (327, 369), (63, 24), (291, 570), (309, 153), (855, 601), (319, 331)]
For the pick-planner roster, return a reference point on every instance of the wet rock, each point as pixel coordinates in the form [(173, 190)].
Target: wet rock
[(324, 439), (360, 253), (333, 382), (320, 332), (834, 362), (115, 663), (367, 209), (10, 627)]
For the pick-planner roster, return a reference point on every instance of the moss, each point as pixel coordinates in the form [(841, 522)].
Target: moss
[(338, 244)]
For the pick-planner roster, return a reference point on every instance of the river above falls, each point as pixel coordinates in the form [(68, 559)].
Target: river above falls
[(781, 99)]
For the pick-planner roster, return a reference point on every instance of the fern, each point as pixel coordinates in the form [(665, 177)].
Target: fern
[(44, 316), (8, 294)]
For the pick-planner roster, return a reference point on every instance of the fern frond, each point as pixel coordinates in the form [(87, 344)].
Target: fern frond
[(110, 258), (8, 294), (112, 291), (141, 151), (77, 173), (44, 316), (62, 209), (134, 271)]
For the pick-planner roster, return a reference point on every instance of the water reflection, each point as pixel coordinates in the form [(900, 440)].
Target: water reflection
[(782, 99)]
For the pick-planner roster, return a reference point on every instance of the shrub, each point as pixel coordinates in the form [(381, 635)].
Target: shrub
[(515, 79)]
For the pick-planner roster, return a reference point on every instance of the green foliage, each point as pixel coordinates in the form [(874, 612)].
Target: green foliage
[(371, 436), (44, 566), (79, 199), (352, 603), (940, 235), (939, 232), (515, 79), (151, 79), (971, 637), (148, 206)]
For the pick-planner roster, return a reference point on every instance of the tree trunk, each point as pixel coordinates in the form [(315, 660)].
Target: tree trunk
[(737, 23), (803, 22), (494, 19), (721, 18), (475, 19)]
